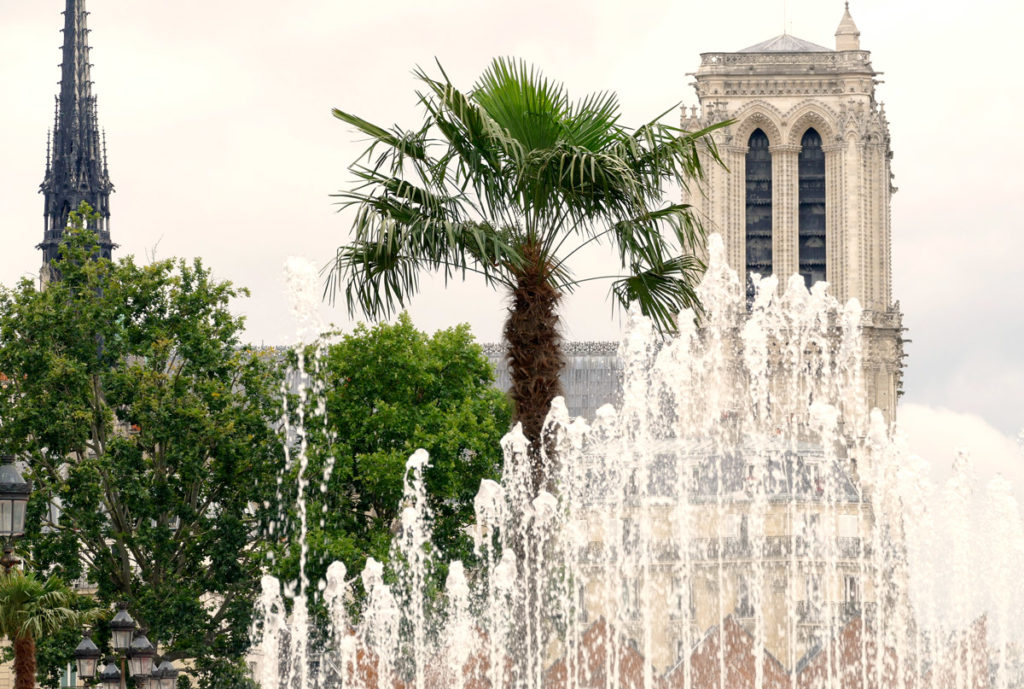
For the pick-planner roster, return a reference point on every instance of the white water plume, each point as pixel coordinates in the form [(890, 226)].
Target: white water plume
[(742, 519)]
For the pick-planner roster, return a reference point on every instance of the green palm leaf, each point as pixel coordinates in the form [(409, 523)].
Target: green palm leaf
[(662, 291), (32, 608), (508, 181)]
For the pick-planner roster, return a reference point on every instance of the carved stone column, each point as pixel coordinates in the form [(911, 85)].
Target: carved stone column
[(835, 228), (785, 211), (877, 255), (734, 209)]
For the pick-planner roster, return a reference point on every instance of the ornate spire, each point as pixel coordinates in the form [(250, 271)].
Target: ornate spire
[(76, 166), (847, 35)]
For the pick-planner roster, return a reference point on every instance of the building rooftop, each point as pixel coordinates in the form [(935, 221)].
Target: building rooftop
[(786, 44), (591, 379)]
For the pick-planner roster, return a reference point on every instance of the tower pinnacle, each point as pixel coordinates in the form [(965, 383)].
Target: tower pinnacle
[(847, 35), (76, 169)]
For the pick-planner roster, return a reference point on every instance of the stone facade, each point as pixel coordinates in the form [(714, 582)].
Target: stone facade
[(781, 584), (784, 87), (789, 568), (592, 376)]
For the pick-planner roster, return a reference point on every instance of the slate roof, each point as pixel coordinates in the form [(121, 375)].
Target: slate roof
[(786, 44)]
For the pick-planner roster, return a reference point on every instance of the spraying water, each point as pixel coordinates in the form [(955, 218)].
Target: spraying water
[(741, 520)]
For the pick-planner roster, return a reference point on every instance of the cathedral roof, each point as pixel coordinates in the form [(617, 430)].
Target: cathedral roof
[(786, 44)]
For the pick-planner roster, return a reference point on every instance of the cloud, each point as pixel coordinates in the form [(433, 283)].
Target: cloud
[(936, 435), (965, 537)]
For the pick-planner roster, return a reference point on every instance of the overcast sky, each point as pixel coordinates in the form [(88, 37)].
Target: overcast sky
[(222, 145)]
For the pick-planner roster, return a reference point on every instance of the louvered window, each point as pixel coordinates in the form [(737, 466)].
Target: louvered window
[(811, 167), (759, 205)]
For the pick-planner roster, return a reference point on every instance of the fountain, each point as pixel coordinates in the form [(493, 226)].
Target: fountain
[(741, 520)]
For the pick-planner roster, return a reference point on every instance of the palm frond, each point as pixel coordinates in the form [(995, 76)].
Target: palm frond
[(510, 168), (30, 605), (460, 120), (660, 152), (479, 152), (380, 271), (660, 281), (523, 102), (639, 241), (568, 182), (403, 143), (662, 291), (592, 123)]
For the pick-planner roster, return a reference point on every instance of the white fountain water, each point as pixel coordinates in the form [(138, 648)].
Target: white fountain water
[(741, 520)]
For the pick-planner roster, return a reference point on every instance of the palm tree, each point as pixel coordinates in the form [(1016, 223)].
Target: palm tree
[(30, 609), (508, 181)]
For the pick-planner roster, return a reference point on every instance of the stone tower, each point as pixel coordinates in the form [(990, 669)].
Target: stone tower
[(805, 191), (76, 158), (808, 185)]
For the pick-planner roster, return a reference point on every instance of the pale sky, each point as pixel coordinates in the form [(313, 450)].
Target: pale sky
[(222, 145)]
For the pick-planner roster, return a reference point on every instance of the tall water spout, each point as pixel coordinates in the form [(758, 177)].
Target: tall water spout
[(742, 520)]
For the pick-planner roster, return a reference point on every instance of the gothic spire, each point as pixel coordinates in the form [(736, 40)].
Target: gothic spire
[(76, 166)]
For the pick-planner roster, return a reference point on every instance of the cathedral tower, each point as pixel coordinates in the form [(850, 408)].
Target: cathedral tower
[(808, 185), (76, 159)]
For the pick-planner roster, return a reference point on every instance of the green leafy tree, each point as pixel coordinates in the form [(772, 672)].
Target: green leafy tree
[(508, 181), (387, 391), (33, 609), (148, 430)]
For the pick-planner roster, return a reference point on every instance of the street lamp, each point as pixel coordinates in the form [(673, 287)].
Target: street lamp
[(110, 678), (86, 656), (122, 628), (140, 656), (165, 676), (14, 493), (131, 644)]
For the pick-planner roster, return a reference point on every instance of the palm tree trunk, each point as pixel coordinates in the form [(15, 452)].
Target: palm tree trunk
[(535, 358), (25, 662)]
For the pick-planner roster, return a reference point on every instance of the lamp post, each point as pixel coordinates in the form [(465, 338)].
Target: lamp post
[(131, 645), (87, 654), (122, 628), (140, 656), (165, 676), (14, 493), (110, 678)]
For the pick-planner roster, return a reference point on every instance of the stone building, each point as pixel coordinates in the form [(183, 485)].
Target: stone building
[(807, 184), (592, 375), (806, 191)]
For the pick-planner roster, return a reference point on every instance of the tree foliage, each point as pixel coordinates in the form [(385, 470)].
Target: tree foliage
[(387, 391), (148, 430)]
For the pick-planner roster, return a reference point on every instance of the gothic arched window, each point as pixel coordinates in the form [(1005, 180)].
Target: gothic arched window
[(759, 204), (811, 167)]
